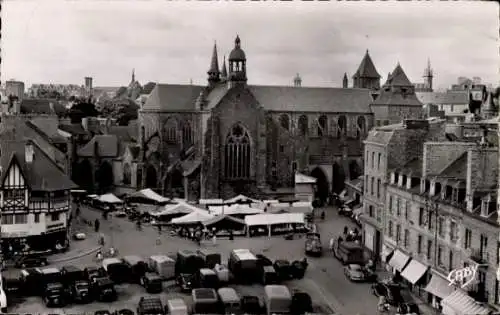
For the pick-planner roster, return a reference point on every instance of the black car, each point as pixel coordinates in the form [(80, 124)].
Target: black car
[(283, 269), (391, 292), (54, 295), (80, 291), (103, 290), (31, 261), (301, 303), (92, 273), (263, 260), (185, 282), (408, 308), (250, 304), (152, 283), (124, 311)]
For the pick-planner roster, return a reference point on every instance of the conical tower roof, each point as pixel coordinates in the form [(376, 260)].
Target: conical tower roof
[(367, 69), (398, 77), (224, 69), (214, 64)]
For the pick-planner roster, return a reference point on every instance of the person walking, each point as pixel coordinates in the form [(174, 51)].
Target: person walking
[(214, 239), (97, 224), (78, 211)]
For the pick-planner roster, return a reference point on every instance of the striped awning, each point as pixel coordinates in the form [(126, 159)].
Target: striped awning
[(439, 287), (459, 303), (398, 260)]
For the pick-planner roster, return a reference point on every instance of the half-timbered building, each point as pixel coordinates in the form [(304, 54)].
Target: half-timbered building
[(35, 199)]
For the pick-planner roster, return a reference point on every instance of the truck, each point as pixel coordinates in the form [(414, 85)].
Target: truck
[(244, 265), (313, 244), (150, 305), (348, 252), (278, 299)]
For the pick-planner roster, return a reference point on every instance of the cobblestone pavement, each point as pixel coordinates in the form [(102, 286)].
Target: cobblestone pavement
[(324, 279)]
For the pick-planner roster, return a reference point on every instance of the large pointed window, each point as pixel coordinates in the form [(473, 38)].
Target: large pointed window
[(322, 126), (342, 126), (187, 134), (171, 130), (285, 121), (237, 153), (361, 130), (303, 125)]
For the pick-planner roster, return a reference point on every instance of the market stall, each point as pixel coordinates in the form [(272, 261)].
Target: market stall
[(274, 223), (226, 223), (235, 210), (193, 218), (147, 196), (168, 212), (241, 199)]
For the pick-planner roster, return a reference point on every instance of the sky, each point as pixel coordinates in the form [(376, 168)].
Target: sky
[(63, 41)]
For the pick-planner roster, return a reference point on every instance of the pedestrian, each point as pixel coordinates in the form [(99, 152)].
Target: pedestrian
[(332, 242), (346, 230), (323, 214), (214, 239), (231, 235), (97, 225), (77, 211), (159, 228)]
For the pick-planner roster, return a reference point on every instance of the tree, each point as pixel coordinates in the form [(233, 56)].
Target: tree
[(82, 109), (123, 110)]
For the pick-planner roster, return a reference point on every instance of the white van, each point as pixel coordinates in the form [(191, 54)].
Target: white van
[(176, 307)]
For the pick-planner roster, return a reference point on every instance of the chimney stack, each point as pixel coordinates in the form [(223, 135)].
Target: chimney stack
[(29, 152)]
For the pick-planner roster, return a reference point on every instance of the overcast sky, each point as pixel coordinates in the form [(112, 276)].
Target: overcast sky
[(61, 41)]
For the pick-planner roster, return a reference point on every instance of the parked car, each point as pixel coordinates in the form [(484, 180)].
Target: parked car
[(284, 269), (408, 308), (92, 273), (30, 261), (391, 292), (124, 311), (250, 304), (301, 303), (79, 236), (152, 283), (355, 272), (102, 312), (313, 244), (263, 260), (80, 291)]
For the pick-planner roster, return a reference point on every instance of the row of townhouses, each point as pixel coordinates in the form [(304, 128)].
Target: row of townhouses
[(430, 207)]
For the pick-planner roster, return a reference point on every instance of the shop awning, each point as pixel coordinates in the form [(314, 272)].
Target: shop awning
[(398, 260), (439, 287), (414, 271), (459, 302)]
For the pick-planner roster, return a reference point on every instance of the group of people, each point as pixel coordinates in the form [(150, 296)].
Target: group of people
[(200, 233)]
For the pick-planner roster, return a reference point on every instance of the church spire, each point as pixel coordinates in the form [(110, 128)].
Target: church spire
[(345, 81), (133, 75), (213, 72), (224, 69)]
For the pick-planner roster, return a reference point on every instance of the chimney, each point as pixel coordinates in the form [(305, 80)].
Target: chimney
[(29, 152)]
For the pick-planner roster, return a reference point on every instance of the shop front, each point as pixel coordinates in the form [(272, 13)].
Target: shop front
[(438, 288), (414, 275), (397, 262)]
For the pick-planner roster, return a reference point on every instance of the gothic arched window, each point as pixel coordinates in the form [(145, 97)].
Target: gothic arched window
[(342, 126), (303, 125), (171, 130), (361, 124), (285, 122), (237, 153), (187, 134), (126, 174), (322, 126)]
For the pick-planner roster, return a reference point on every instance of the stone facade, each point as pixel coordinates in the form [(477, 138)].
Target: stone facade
[(444, 216)]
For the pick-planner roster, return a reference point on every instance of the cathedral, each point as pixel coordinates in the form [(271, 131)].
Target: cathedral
[(229, 137)]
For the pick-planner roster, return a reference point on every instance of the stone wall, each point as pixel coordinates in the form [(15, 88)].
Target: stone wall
[(438, 155)]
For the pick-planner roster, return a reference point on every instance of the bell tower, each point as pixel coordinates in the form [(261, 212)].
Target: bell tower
[(237, 64)]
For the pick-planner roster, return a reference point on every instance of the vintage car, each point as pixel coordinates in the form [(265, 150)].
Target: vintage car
[(355, 272), (313, 244), (30, 261)]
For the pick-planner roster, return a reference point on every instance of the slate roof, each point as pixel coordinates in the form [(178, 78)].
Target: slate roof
[(390, 98), (173, 97), (74, 129), (42, 174), (367, 69), (413, 168), (312, 99), (148, 87), (458, 97), (457, 169), (41, 106), (46, 129), (107, 146), (398, 77)]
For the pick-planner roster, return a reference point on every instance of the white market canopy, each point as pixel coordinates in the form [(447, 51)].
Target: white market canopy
[(304, 179), (240, 198), (180, 208), (148, 193), (235, 209), (194, 217), (109, 198), (272, 219)]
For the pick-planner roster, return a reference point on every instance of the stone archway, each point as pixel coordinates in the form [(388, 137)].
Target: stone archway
[(322, 186), (151, 177), (338, 178), (104, 176)]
